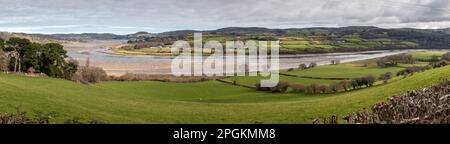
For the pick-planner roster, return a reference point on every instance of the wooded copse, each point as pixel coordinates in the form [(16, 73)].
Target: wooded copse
[(21, 55)]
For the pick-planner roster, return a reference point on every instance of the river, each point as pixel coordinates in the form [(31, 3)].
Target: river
[(115, 64)]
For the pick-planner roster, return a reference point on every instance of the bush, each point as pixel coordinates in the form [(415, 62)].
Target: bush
[(312, 65), (323, 88), (298, 88), (335, 87), (385, 77), (4, 61), (313, 88), (90, 75), (21, 117), (70, 69), (439, 64), (393, 60), (163, 78), (345, 84), (302, 66), (335, 62), (281, 87), (412, 70), (446, 56), (422, 106), (369, 80)]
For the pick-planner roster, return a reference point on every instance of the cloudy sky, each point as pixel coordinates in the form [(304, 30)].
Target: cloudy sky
[(129, 16)]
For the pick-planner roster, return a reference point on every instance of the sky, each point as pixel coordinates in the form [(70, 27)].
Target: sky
[(130, 16)]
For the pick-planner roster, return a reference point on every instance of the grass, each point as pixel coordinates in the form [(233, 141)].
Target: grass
[(427, 54), (205, 102)]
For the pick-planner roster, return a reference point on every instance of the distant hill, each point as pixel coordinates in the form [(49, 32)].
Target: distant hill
[(312, 40), (292, 40)]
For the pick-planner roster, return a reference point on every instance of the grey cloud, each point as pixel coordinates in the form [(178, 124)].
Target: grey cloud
[(127, 16)]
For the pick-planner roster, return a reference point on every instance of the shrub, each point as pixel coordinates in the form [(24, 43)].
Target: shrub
[(302, 66), (385, 77), (312, 65), (20, 117), (345, 84), (422, 106), (369, 80), (88, 74), (313, 88), (162, 78), (70, 69), (281, 87), (4, 61), (412, 70), (438, 64), (335, 87), (298, 88), (335, 62), (446, 56), (323, 88), (393, 60)]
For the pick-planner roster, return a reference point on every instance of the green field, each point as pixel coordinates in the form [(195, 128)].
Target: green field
[(427, 54), (205, 102)]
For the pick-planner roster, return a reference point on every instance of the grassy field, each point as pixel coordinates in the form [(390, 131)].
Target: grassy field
[(349, 41), (427, 54), (205, 102)]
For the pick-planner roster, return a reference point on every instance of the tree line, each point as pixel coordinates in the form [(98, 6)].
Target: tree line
[(344, 85), (21, 55)]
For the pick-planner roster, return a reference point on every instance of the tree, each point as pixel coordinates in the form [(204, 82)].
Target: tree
[(323, 88), (53, 60), (386, 77), (4, 61), (15, 45), (393, 60), (369, 80), (446, 56), (71, 68), (335, 62), (31, 57), (313, 88), (354, 83), (281, 87), (298, 87), (302, 66), (2, 44), (345, 84), (312, 65), (434, 58), (335, 87)]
